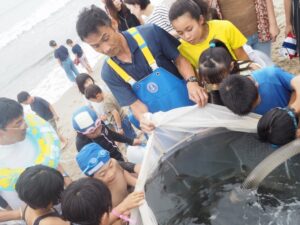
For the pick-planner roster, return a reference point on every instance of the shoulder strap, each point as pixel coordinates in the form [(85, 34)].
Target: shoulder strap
[(122, 73), (143, 46), (145, 50), (51, 214)]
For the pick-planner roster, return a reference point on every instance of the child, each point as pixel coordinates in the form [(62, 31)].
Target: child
[(44, 109), (94, 161), (40, 188), (88, 201), (259, 92), (80, 56), (106, 105), (279, 126), (83, 80), (188, 17), (216, 63)]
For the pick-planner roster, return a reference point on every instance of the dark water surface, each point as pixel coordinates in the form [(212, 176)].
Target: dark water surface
[(199, 183)]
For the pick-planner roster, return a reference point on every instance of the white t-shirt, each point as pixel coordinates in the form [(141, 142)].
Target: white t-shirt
[(17, 155)]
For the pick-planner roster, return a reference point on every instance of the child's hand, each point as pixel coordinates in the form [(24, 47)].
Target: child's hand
[(136, 141), (133, 200)]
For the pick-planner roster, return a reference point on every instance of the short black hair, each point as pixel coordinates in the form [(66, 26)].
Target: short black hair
[(278, 126), (91, 91), (142, 3), (69, 41), (85, 201), (195, 8), (89, 20), (23, 96), (39, 185), (52, 43), (9, 111), (238, 93), (81, 79)]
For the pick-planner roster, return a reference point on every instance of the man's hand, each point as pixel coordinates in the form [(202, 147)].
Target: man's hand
[(146, 125), (197, 94)]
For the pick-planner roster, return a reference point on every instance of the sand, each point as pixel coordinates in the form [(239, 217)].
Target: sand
[(72, 99)]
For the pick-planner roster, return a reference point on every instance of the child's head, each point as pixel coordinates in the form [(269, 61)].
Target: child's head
[(24, 98), (52, 43), (40, 186), (69, 42), (86, 201), (188, 18), (215, 64), (94, 93), (94, 161), (83, 80), (239, 94), (278, 126)]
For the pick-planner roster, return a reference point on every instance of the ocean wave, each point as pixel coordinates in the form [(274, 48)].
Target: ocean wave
[(41, 14)]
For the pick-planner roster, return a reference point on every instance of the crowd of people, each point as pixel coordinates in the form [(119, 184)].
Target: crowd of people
[(158, 59)]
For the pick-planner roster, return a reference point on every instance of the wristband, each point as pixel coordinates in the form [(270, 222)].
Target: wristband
[(121, 216)]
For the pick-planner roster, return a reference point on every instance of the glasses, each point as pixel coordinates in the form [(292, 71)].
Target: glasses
[(93, 128)]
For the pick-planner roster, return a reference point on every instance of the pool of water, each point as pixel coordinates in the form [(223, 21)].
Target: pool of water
[(199, 182)]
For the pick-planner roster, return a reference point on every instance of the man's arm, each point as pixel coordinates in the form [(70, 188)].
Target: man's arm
[(139, 109), (196, 93), (288, 17), (273, 26)]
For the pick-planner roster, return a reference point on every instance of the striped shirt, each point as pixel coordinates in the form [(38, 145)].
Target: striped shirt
[(160, 17)]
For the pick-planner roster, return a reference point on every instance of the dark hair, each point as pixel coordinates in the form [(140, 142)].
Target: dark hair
[(69, 41), (9, 110), (52, 43), (114, 12), (90, 19), (23, 96), (81, 79), (195, 8), (85, 201), (278, 126), (238, 93), (39, 185), (214, 64), (142, 3), (91, 91)]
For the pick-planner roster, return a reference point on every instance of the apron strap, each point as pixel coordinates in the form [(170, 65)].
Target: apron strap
[(143, 46), (122, 73), (146, 52)]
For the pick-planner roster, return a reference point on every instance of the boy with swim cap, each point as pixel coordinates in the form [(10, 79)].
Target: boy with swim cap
[(94, 161)]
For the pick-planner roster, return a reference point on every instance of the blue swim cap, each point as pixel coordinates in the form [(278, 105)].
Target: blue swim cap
[(91, 158)]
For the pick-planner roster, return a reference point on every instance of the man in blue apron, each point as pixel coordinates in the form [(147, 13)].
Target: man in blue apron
[(145, 69)]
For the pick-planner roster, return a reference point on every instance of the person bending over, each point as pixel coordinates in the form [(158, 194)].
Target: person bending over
[(88, 202), (259, 92)]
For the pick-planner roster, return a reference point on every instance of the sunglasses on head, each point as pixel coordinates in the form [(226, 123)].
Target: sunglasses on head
[(92, 129)]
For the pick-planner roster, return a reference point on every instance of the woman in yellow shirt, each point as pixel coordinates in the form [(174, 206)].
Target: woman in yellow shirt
[(188, 18)]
